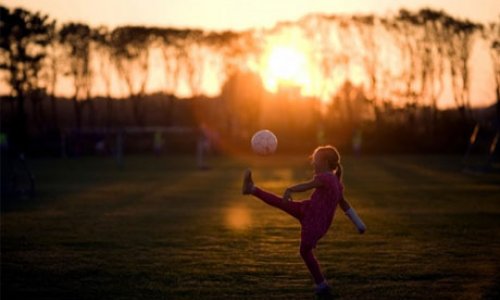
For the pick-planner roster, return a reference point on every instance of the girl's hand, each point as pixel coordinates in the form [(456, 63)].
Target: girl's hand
[(287, 195)]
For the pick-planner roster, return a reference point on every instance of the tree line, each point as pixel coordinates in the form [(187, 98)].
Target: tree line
[(432, 50)]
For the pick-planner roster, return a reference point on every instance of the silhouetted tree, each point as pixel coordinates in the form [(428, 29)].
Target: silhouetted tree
[(24, 36), (231, 51), (432, 57), (103, 49), (193, 61), (409, 39), (460, 36), (53, 70), (492, 35), (174, 45), (319, 29), (76, 38), (241, 99), (229, 48), (130, 49), (371, 58)]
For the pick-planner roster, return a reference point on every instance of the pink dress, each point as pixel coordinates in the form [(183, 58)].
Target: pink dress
[(315, 215), (318, 212)]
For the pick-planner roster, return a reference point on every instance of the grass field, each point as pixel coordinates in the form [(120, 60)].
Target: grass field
[(160, 229)]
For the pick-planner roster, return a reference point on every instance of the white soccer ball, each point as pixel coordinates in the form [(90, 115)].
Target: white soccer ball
[(264, 142)]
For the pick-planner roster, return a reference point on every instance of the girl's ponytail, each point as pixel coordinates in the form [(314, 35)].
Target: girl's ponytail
[(339, 171)]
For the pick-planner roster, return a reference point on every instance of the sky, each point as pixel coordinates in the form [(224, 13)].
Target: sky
[(236, 14), (246, 14)]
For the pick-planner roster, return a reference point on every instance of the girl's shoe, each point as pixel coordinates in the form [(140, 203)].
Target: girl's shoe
[(247, 186), (323, 289)]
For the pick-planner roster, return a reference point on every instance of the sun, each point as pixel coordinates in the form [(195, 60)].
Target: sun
[(285, 65)]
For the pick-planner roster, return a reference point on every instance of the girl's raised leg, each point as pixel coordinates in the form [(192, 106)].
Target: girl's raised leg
[(292, 208)]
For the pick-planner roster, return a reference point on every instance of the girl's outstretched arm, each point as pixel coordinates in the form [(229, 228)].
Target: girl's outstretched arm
[(301, 187), (352, 215), (344, 204)]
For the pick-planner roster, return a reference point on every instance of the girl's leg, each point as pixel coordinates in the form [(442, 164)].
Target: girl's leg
[(306, 252), (290, 207)]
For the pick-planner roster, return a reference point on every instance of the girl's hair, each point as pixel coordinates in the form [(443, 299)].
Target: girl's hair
[(332, 157)]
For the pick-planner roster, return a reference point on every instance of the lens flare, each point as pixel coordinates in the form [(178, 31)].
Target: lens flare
[(238, 218)]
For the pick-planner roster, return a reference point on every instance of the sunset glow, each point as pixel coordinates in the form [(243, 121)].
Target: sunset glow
[(238, 218), (285, 65), (315, 60)]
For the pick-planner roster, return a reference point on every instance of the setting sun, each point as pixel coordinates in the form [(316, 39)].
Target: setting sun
[(285, 65)]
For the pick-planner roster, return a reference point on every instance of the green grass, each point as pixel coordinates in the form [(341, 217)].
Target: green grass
[(160, 229)]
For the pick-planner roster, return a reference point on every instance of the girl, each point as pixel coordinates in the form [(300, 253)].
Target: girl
[(315, 215)]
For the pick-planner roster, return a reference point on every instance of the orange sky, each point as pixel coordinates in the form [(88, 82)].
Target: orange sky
[(236, 14), (242, 14)]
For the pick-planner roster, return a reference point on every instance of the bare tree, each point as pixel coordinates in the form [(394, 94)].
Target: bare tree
[(193, 61), (322, 31), (460, 36), (319, 30), (130, 48), (241, 97), (233, 51), (432, 57), (492, 35), (76, 38), (53, 69), (231, 48), (343, 60), (366, 27), (409, 37), (173, 44), (23, 39), (103, 47)]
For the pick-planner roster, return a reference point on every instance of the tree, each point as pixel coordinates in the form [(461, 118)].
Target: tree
[(242, 91), (492, 35), (460, 36), (23, 40), (130, 52), (193, 61), (231, 48), (409, 37), (52, 72), (366, 26), (172, 43), (241, 99), (103, 48), (319, 30), (75, 38), (432, 56)]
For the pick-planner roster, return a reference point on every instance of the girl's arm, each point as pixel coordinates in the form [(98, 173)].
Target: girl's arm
[(344, 204), (352, 215), (301, 187)]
